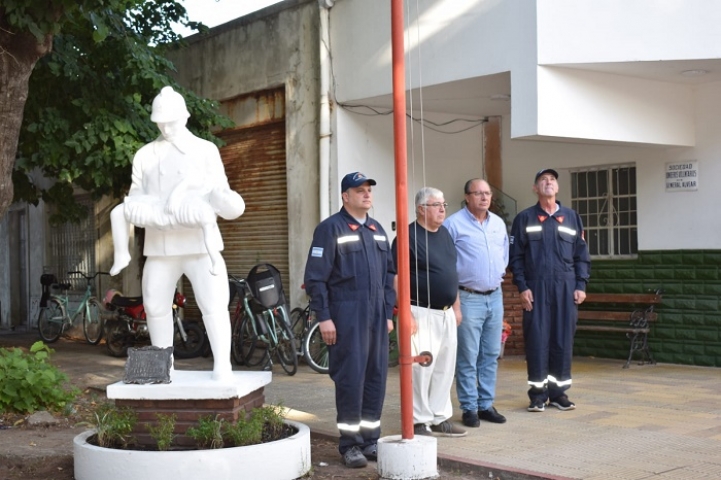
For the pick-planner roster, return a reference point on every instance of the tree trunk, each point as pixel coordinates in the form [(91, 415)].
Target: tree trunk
[(19, 52)]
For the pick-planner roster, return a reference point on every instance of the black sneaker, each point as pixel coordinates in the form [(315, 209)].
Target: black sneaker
[(421, 429), (491, 415), (563, 403), (354, 458), (470, 419), (447, 429), (537, 406), (371, 452)]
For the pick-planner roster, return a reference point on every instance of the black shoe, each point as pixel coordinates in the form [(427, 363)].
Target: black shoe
[(470, 419), (371, 452), (536, 406), (447, 429), (421, 429), (354, 458), (491, 415), (563, 403)]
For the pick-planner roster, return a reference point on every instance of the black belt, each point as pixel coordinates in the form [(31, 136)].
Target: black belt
[(432, 307), (470, 290)]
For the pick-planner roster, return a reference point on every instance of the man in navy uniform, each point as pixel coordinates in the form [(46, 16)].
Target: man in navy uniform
[(550, 264), (349, 277)]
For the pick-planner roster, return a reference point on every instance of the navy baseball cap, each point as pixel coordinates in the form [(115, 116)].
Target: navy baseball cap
[(355, 179), (545, 171)]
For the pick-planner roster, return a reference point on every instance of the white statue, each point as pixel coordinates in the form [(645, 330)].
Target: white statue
[(178, 189)]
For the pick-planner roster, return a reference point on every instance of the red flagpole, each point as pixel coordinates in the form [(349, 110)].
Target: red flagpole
[(401, 169)]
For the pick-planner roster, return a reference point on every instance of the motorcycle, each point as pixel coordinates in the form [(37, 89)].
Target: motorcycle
[(126, 326)]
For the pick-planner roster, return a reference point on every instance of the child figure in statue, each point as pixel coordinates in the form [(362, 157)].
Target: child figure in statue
[(178, 189)]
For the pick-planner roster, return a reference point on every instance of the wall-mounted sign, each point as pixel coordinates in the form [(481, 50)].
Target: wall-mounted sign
[(682, 176)]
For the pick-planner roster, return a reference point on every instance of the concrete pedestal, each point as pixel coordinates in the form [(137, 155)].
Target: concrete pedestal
[(400, 459)]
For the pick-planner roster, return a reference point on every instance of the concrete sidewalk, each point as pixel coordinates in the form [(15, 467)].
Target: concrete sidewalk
[(653, 421)]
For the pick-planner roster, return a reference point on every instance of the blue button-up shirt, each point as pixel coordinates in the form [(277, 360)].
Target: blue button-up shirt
[(482, 249)]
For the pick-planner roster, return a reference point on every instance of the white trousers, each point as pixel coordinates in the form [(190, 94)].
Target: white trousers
[(432, 384)]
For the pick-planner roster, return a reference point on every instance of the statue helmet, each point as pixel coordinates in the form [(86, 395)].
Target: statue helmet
[(169, 106)]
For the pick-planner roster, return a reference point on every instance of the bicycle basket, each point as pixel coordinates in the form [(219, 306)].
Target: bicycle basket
[(266, 286)]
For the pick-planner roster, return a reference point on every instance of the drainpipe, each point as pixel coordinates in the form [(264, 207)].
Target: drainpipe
[(325, 128)]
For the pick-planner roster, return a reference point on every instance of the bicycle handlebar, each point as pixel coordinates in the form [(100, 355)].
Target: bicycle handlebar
[(88, 277)]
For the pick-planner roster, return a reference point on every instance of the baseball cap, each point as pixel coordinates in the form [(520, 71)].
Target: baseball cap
[(544, 171), (355, 179)]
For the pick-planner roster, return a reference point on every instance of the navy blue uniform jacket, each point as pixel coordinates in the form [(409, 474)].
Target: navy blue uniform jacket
[(349, 273), (545, 246)]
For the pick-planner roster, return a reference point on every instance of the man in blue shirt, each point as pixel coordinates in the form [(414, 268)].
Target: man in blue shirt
[(349, 277), (482, 244)]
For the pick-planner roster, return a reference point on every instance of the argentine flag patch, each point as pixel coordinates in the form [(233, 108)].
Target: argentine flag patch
[(317, 252)]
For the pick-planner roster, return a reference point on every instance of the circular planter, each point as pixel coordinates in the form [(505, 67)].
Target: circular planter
[(282, 460)]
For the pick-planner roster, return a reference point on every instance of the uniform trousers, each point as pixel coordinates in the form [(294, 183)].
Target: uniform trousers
[(548, 331)]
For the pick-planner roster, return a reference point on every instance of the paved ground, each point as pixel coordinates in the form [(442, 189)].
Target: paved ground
[(647, 422)]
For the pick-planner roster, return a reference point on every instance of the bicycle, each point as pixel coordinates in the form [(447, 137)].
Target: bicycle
[(307, 330), (255, 327), (314, 349), (54, 317)]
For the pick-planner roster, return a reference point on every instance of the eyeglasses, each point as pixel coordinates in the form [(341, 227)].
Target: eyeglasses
[(435, 205), (479, 193)]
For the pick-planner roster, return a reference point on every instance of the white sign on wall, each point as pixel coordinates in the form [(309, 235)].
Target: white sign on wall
[(682, 176)]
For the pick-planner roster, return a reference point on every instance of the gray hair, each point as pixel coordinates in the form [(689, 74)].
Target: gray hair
[(425, 193)]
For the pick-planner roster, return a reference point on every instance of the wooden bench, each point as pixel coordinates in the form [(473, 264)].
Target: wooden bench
[(629, 313)]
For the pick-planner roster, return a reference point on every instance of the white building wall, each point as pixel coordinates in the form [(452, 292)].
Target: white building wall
[(570, 31), (688, 220), (450, 160), (458, 39), (581, 104)]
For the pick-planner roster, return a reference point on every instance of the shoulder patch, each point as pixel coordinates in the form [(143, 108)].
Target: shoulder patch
[(511, 239), (316, 252)]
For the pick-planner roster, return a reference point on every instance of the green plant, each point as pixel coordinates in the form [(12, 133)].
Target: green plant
[(28, 382), (164, 432), (246, 431), (114, 425), (273, 421), (209, 432)]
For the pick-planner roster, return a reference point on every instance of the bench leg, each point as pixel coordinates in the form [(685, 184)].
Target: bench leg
[(639, 342), (647, 351), (631, 348)]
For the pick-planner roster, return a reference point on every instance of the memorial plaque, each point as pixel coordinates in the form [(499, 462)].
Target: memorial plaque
[(148, 365)]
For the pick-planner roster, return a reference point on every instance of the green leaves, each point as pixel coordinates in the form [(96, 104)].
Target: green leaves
[(88, 109), (30, 383)]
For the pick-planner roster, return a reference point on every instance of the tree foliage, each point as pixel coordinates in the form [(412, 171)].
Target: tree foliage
[(88, 107)]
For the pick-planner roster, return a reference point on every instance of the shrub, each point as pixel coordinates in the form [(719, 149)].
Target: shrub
[(114, 425), (265, 424), (164, 432), (28, 382), (245, 431), (209, 432)]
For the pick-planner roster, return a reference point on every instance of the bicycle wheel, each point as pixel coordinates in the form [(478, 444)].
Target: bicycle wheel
[(51, 321), (93, 321), (285, 346), (118, 337), (315, 351), (194, 343), (236, 341), (298, 322), (251, 344)]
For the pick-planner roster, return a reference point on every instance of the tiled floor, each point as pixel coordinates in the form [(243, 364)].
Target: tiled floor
[(651, 421)]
